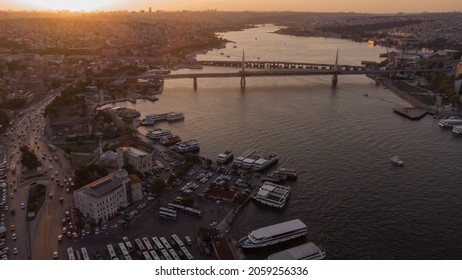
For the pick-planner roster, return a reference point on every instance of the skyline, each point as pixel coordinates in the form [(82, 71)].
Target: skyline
[(361, 6)]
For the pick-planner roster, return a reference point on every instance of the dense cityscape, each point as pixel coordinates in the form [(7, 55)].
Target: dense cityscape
[(81, 179)]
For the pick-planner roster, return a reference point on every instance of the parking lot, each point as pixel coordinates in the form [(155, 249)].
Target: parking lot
[(143, 220)]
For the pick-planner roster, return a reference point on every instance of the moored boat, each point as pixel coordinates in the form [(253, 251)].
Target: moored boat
[(307, 251), (168, 141), (272, 195), (274, 234), (224, 158), (285, 173), (457, 129), (158, 133), (189, 146)]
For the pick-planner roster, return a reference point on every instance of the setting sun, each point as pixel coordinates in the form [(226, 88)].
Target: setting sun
[(71, 5)]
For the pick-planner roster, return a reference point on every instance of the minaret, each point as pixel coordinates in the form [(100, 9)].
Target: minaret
[(335, 77)]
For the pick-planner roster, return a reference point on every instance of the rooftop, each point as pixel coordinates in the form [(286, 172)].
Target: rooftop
[(104, 185)]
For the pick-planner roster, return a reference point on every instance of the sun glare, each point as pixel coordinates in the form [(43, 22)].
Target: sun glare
[(72, 5)]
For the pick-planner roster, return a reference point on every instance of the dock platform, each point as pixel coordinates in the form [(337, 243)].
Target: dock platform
[(411, 112)]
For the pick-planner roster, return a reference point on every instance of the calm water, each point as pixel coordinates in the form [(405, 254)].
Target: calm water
[(355, 203)]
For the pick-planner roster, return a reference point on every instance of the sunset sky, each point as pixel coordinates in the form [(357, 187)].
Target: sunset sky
[(372, 6)]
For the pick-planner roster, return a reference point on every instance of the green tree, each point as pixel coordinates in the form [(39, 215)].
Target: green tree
[(159, 186), (28, 158)]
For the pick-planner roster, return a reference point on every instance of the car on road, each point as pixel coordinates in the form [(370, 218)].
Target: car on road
[(104, 227), (12, 227), (212, 224), (50, 195), (60, 237), (114, 226), (13, 236), (55, 255), (22, 205), (15, 251)]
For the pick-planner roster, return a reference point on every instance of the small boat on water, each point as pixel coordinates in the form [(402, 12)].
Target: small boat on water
[(397, 161)]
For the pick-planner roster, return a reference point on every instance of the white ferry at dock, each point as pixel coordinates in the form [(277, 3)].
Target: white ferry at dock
[(285, 173), (272, 195), (457, 129), (307, 251), (224, 158), (265, 162), (450, 122), (274, 234)]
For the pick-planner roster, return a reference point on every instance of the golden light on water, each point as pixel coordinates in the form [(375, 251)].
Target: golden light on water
[(71, 5)]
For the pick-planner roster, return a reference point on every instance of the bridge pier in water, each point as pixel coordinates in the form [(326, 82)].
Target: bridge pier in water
[(243, 82), (334, 80), (195, 83)]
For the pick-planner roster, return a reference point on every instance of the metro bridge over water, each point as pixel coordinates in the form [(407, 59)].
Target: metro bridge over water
[(279, 68), (259, 68)]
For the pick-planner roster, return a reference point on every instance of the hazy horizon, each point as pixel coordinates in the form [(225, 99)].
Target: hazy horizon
[(360, 6)]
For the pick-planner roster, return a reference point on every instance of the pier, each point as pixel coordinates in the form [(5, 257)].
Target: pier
[(411, 113)]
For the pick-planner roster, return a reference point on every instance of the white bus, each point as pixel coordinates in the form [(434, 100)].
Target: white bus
[(147, 256), (193, 211), (111, 251), (175, 206), (165, 242), (167, 216), (70, 253), (123, 249), (165, 254), (174, 254), (168, 210), (154, 255), (177, 240), (187, 253), (147, 244), (157, 243), (85, 253), (140, 244)]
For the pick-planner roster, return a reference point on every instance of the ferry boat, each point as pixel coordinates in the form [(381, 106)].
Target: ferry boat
[(307, 251), (168, 141), (240, 159), (274, 234), (147, 122), (224, 158), (457, 129), (189, 146), (264, 162), (397, 161), (272, 194), (450, 122), (285, 173), (132, 100), (174, 116), (158, 133)]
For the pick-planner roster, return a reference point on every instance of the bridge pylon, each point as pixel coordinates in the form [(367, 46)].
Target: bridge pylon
[(335, 77), (243, 70)]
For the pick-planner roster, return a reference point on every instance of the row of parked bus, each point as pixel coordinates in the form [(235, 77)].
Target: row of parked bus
[(159, 249), (75, 254)]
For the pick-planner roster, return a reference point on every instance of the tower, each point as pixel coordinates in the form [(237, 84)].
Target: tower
[(335, 77)]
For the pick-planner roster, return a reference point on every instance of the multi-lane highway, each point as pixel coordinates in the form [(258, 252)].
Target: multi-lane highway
[(36, 239)]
